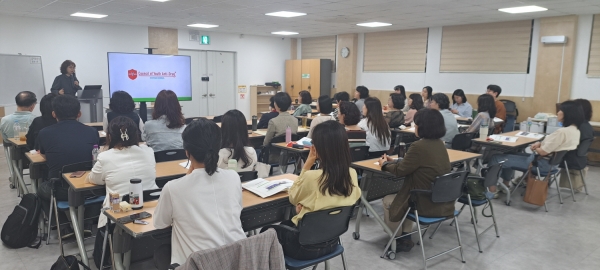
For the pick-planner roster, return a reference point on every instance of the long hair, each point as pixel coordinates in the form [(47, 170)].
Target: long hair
[(235, 136), (118, 128), (375, 120), (167, 104), (331, 143), (572, 113), (401, 89), (429, 92), (417, 101), (486, 103), (202, 141), (585, 104), (461, 94)]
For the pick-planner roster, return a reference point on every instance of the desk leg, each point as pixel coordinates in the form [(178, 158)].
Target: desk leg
[(11, 178), (77, 227), (121, 248), (507, 190), (19, 177), (119, 261), (364, 190), (127, 259)]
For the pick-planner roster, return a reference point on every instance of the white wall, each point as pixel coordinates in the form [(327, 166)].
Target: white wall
[(471, 83), (85, 43), (584, 86), (259, 59)]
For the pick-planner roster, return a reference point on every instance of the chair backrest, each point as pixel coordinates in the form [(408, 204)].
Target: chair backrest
[(325, 225), (493, 174), (281, 138), (169, 155), (584, 147), (81, 166), (359, 153), (462, 141), (448, 187), (148, 195), (247, 176), (357, 134), (558, 158), (509, 125), (511, 107)]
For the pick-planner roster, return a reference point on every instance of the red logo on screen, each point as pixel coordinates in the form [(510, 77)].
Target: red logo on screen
[(132, 73)]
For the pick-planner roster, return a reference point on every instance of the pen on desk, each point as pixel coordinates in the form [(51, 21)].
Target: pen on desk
[(274, 185)]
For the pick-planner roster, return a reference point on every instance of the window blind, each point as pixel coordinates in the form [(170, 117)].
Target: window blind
[(396, 51), (319, 48), (594, 58)]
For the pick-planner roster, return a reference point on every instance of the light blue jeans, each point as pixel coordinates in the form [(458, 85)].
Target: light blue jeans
[(520, 162)]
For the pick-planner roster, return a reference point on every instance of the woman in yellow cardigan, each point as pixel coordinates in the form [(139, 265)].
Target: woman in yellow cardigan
[(333, 185)]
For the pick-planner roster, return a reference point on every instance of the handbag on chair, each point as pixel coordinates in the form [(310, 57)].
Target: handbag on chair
[(537, 189)]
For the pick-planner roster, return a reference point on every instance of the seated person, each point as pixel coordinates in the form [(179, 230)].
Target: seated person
[(349, 116), (399, 89), (235, 143), (495, 91), (378, 132), (66, 142), (121, 104), (427, 94), (306, 100), (395, 115), (125, 159), (361, 93), (25, 101), (339, 97), (415, 103), (324, 106), (563, 139), (279, 124), (203, 207), (335, 184), (460, 105), (163, 132), (41, 122), (425, 160), (486, 111), (265, 118), (441, 103), (572, 158)]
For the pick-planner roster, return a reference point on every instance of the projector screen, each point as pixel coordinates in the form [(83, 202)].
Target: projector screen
[(144, 75)]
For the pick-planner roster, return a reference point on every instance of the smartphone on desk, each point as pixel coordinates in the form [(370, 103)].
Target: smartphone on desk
[(77, 174), (131, 218)]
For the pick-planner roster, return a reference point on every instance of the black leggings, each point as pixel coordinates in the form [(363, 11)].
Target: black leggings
[(291, 245)]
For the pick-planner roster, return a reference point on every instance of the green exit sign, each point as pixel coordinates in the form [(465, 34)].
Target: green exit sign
[(205, 40)]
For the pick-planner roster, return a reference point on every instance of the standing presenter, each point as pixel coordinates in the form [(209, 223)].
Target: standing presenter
[(66, 83)]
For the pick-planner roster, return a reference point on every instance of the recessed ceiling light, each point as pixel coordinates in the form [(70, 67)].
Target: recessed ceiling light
[(285, 33), (523, 9), (374, 24), (88, 15), (160, 0), (286, 14), (201, 25)]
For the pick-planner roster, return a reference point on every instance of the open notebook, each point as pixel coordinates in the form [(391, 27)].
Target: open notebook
[(265, 188)]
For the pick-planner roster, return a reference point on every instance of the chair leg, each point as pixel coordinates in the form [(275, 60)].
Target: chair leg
[(494, 218), (315, 266), (460, 211), (474, 223), (343, 257), (546, 206), (583, 180), (50, 219), (393, 236), (462, 256), (421, 239), (436, 229), (558, 190), (570, 183)]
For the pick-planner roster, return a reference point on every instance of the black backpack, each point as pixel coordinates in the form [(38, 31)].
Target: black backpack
[(21, 227)]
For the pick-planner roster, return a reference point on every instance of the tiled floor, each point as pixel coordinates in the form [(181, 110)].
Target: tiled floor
[(566, 237)]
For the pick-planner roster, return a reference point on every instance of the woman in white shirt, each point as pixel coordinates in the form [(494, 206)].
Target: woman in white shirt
[(203, 207), (461, 106), (235, 144), (324, 106), (163, 132), (124, 160), (378, 131)]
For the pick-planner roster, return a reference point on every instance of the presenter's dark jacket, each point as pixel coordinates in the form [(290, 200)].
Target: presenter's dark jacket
[(66, 83)]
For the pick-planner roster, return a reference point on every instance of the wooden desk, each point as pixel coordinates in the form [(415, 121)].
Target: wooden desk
[(290, 149), (94, 124), (454, 155), (35, 158), (248, 123), (17, 142), (521, 141), (314, 104)]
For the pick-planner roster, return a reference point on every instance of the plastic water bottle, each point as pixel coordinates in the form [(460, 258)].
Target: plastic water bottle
[(232, 164), (95, 153), (484, 129), (529, 123), (17, 129), (288, 135), (254, 122)]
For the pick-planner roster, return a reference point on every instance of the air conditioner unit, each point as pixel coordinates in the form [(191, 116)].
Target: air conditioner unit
[(554, 39)]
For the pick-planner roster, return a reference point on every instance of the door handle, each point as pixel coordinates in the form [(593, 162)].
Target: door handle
[(212, 95), (205, 95), (309, 87)]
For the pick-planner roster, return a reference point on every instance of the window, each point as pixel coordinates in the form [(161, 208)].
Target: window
[(396, 51), (594, 60), (319, 48), (486, 48)]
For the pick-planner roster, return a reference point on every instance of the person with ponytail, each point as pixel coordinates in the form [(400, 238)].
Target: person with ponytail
[(335, 184), (204, 206), (378, 131), (235, 144), (124, 160)]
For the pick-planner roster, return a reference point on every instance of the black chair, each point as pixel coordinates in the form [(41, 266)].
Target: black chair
[(359, 153), (148, 195), (462, 141), (248, 176), (169, 155), (577, 160), (492, 174), (511, 115), (445, 188), (319, 227), (357, 135), (190, 120), (266, 152)]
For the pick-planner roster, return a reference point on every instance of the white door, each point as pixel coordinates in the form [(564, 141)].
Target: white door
[(217, 95)]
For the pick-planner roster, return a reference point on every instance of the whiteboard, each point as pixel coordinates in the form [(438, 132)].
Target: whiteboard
[(20, 73)]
